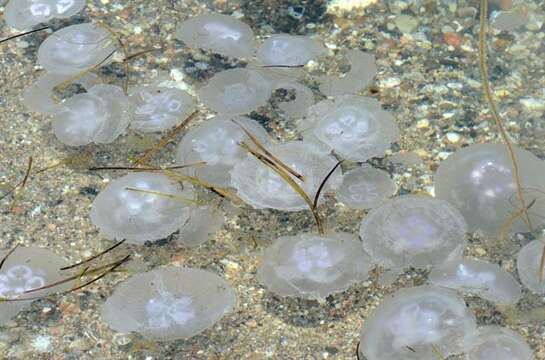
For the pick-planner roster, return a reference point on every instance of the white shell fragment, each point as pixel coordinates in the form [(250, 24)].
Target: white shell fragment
[(415, 324), (261, 187), (496, 343), (75, 48), (222, 34), (137, 216), (354, 126), (169, 303), (365, 187), (529, 266), (477, 277), (313, 266), (288, 50), (25, 269), (413, 230), (24, 14), (216, 142), (478, 180), (155, 108), (362, 71), (99, 116), (236, 92)]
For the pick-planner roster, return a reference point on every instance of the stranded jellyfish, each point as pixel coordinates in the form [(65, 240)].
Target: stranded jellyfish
[(25, 269), (413, 230), (477, 277), (362, 71), (155, 108), (236, 92), (169, 303), (76, 48), (354, 127), (261, 187), (219, 33), (99, 115), (417, 324), (288, 50), (365, 187), (313, 266), (496, 343), (217, 143), (23, 14), (529, 266), (478, 180), (134, 207)]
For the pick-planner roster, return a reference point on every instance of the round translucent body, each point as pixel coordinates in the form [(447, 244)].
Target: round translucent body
[(413, 230), (362, 71), (479, 181), (25, 269), (486, 280), (497, 343), (155, 108), (139, 216), (529, 266), (39, 96), (354, 126), (75, 48), (415, 323), (99, 116), (313, 266), (236, 92), (262, 187), (216, 142), (169, 303), (365, 187), (288, 50), (304, 99), (202, 222), (23, 14), (222, 34)]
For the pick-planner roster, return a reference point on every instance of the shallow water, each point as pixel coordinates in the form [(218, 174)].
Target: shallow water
[(428, 77)]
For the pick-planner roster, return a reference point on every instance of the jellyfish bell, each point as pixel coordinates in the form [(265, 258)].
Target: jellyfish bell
[(479, 181)]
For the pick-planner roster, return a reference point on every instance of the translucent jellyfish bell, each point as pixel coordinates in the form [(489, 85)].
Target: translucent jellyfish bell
[(416, 323), (155, 108), (38, 97), (354, 126), (313, 266), (529, 266), (261, 187), (362, 71), (477, 277), (365, 187), (478, 180), (25, 269), (75, 48), (413, 230), (236, 92), (23, 14), (497, 343), (139, 216), (216, 142), (99, 115), (222, 34), (169, 303), (288, 50)]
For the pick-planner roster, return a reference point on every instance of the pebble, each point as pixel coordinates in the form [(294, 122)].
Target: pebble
[(453, 137), (406, 23)]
